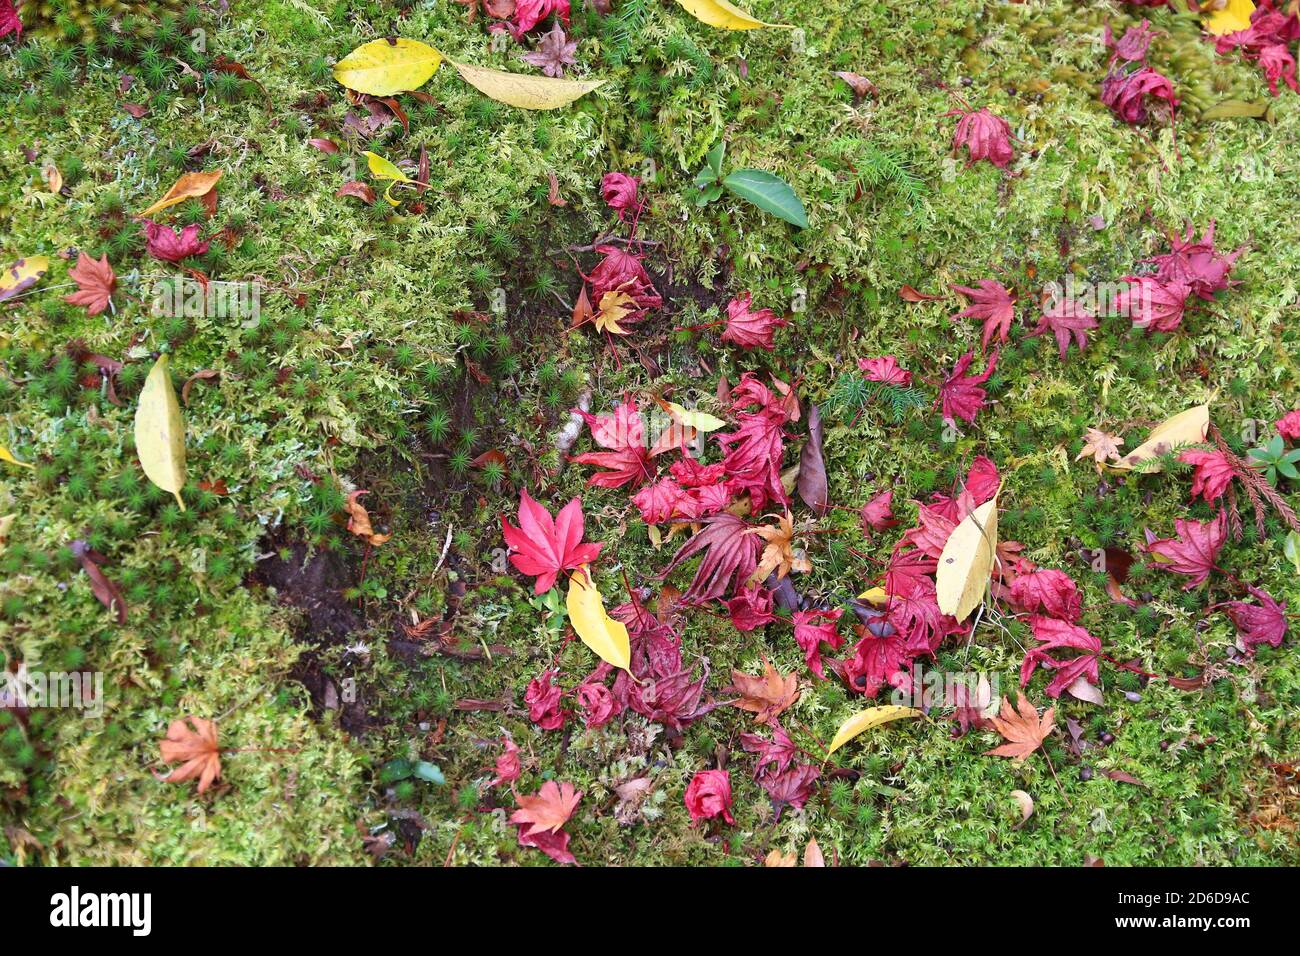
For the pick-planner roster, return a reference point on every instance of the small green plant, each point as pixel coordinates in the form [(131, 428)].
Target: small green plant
[(1273, 459), (768, 192)]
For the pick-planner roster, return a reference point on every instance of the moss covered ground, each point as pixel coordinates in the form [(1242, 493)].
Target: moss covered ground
[(385, 359)]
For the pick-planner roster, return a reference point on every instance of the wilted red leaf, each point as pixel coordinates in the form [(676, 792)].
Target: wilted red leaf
[(766, 696), (731, 555), (354, 187)]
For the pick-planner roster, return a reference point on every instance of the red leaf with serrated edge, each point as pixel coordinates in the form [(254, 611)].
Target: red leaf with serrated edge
[(622, 432), (1211, 475), (993, 304), (985, 136), (1053, 635), (1194, 550), (1049, 592), (95, 283), (544, 547), (753, 452), (9, 22), (541, 815), (878, 513), (730, 555), (961, 395), (1262, 623), (813, 627), (886, 370), (1065, 319), (748, 328), (165, 243)]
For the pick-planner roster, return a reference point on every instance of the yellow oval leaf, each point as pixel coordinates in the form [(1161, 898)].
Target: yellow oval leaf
[(864, 720), (1231, 19), (524, 91), (160, 432), (7, 455), (189, 186), (6, 523), (381, 168), (725, 16), (1185, 428), (604, 635), (701, 421), (381, 68), (22, 275), (967, 558), (876, 596)]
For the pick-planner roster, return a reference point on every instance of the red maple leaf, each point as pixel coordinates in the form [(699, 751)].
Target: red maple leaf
[(1065, 319), (750, 329), (960, 395), (9, 22), (731, 554), (1054, 635), (95, 283), (985, 136), (751, 608), (878, 514), (1126, 93), (544, 547), (992, 303), (1194, 550), (1153, 305), (541, 815), (1048, 591), (1196, 263), (780, 751), (623, 433), (790, 788), (886, 370), (1212, 473), (811, 628), (1262, 623), (165, 243), (753, 452), (623, 271)]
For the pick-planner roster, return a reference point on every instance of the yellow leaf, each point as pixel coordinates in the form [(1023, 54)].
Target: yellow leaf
[(1185, 428), (967, 559), (725, 16), (613, 306), (6, 523), (23, 274), (524, 91), (7, 455), (875, 596), (864, 720), (700, 421), (604, 635), (381, 168), (53, 178), (189, 186), (160, 432), (1232, 18), (380, 68)]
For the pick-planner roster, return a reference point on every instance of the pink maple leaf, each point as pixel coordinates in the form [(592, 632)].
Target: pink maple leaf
[(1153, 305), (1048, 591), (886, 370), (993, 304), (811, 628), (960, 395), (623, 433), (985, 136), (1195, 548), (751, 329), (544, 547), (1065, 319), (1261, 623), (1212, 473)]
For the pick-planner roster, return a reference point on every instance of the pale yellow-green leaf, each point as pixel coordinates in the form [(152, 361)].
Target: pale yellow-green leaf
[(967, 559), (1291, 549), (522, 90), (725, 16), (864, 720), (381, 168), (7, 455), (6, 522), (160, 432), (380, 68), (1185, 428), (701, 421), (22, 274), (604, 635), (1231, 19)]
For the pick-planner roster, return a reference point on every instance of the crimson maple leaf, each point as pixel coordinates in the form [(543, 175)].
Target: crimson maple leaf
[(985, 136), (750, 329), (1212, 472), (1196, 263), (1194, 550), (165, 243), (1052, 592), (751, 608), (9, 22), (753, 452), (1152, 304), (1126, 93), (790, 788), (1262, 623), (1065, 319), (994, 304), (731, 554), (878, 513), (811, 628), (544, 547), (95, 283), (1054, 635), (623, 433), (886, 370), (780, 751), (960, 395)]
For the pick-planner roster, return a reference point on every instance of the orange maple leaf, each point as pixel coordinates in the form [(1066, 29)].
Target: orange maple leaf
[(192, 742), (95, 284), (768, 695), (548, 809), (1024, 730), (359, 520)]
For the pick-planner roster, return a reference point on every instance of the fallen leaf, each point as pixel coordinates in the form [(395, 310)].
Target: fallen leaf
[(22, 275), (1185, 428), (53, 178), (383, 67), (962, 577), (105, 591), (864, 720), (8, 456), (381, 168), (189, 186), (95, 284), (524, 91), (778, 556), (354, 187), (1103, 447), (1024, 730), (542, 546), (202, 375), (860, 85), (812, 854), (6, 523), (553, 197), (324, 145), (1232, 17), (606, 637), (1026, 804), (908, 294), (812, 467), (725, 15), (160, 432), (766, 696), (359, 520), (192, 742)]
